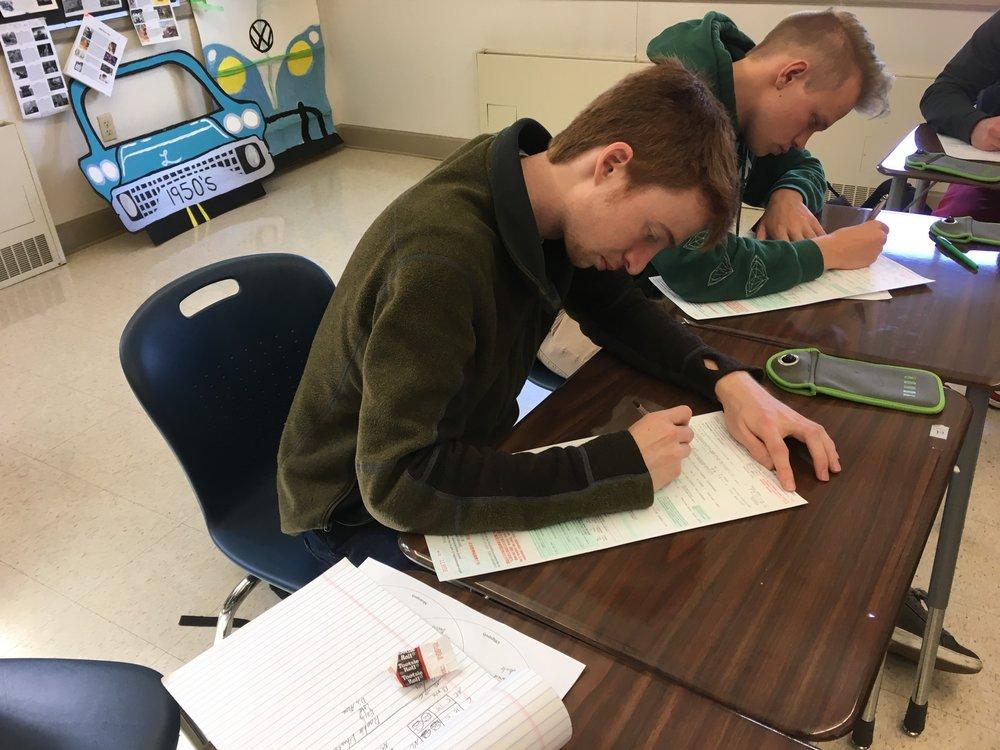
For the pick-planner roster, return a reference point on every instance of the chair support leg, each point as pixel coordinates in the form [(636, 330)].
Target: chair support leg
[(225, 623)]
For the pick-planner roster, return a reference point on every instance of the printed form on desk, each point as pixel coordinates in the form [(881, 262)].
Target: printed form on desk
[(312, 672), (882, 275), (719, 482)]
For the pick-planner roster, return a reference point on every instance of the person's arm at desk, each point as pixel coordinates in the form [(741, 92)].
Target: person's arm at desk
[(422, 461), (615, 314), (949, 102)]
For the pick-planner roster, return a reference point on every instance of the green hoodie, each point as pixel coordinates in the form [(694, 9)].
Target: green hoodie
[(738, 267)]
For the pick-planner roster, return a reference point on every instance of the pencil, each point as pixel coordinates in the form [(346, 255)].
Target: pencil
[(878, 208)]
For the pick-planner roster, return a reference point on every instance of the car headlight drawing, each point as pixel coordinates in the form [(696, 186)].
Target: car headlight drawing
[(232, 123), (110, 170), (251, 118), (95, 175)]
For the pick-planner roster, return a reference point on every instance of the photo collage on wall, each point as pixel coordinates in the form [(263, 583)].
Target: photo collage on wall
[(154, 21), (79, 7), (95, 56), (34, 68), (14, 8)]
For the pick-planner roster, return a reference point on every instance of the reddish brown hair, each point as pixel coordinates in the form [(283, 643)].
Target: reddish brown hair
[(681, 137)]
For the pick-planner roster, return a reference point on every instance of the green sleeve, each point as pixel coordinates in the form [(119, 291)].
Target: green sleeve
[(737, 268), (797, 170), (418, 469)]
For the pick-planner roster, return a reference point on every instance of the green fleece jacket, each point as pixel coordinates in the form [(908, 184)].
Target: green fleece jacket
[(415, 368), (738, 267)]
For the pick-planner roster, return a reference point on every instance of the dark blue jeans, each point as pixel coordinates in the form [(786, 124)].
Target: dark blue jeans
[(357, 543)]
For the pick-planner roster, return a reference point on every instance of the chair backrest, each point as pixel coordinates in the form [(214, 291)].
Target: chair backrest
[(219, 384)]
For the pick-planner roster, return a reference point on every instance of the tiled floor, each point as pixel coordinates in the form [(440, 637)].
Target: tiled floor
[(102, 546)]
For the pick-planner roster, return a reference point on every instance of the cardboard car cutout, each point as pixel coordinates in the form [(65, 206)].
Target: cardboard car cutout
[(176, 169)]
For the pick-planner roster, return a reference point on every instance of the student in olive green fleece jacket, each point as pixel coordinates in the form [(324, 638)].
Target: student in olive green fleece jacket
[(809, 72), (416, 366)]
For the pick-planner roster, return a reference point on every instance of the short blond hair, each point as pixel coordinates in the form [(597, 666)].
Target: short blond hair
[(681, 137), (845, 48)]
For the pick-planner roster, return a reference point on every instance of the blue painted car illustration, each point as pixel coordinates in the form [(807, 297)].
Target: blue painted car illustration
[(170, 170)]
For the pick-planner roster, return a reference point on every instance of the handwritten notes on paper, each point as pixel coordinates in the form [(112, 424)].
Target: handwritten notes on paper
[(311, 673), (719, 482), (880, 276)]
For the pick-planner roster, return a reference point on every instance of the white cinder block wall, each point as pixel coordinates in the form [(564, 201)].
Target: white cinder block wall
[(410, 64)]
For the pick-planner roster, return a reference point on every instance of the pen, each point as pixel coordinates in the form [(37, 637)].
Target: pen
[(878, 208), (642, 409), (954, 252)]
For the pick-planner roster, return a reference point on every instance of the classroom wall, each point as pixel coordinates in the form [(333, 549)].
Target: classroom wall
[(56, 143), (409, 64)]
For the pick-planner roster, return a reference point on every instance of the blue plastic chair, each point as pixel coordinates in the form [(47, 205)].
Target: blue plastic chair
[(71, 704), (219, 385), (543, 377)]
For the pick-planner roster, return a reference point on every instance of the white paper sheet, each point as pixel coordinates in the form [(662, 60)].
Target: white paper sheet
[(95, 55), (79, 7), (497, 648), (873, 297), (154, 21), (882, 275), (39, 84), (962, 150), (311, 672), (719, 482), (14, 8)]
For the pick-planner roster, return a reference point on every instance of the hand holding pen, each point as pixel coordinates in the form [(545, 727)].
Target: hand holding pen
[(664, 441)]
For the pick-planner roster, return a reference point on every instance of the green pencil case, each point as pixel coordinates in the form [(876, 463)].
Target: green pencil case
[(809, 371), (970, 170), (965, 229)]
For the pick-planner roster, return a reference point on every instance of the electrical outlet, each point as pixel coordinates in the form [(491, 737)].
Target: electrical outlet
[(106, 127)]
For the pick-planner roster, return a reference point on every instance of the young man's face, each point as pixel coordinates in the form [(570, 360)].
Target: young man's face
[(787, 115), (613, 228)]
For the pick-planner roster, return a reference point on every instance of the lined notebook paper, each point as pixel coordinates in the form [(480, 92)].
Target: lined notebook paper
[(311, 672), (497, 648)]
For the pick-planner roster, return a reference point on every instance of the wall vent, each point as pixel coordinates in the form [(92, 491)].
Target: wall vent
[(24, 257), (855, 194)]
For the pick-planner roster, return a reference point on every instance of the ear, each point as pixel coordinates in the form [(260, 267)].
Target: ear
[(610, 159), (789, 72)]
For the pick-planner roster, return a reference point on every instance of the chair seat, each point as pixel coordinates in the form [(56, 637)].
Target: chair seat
[(249, 536), (543, 377), (70, 704)]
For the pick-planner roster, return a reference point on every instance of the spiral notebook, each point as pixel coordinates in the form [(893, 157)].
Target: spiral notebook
[(312, 672)]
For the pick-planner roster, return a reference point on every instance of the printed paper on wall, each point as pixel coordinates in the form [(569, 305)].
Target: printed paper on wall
[(95, 55), (154, 21), (13, 8), (34, 68)]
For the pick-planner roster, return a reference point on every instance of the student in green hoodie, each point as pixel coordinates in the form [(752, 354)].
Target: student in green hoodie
[(808, 72)]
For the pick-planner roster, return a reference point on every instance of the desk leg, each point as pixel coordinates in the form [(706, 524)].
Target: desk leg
[(897, 194), (920, 197), (864, 730), (952, 523)]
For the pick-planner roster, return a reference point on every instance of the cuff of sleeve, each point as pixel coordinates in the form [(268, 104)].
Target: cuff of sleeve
[(810, 259), (809, 196), (702, 379), (969, 123), (614, 455)]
